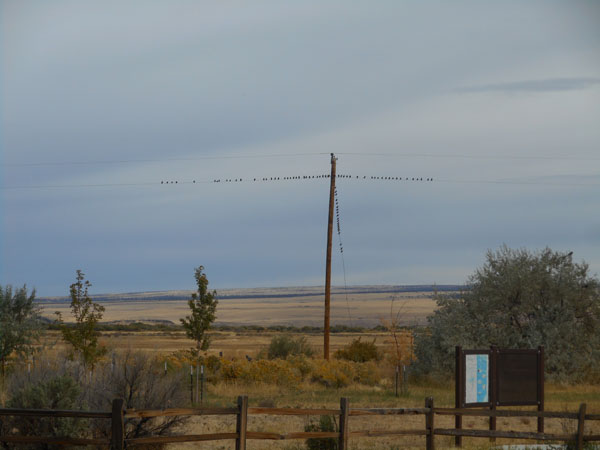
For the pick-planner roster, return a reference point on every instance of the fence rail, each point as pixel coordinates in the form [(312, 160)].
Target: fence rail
[(118, 415)]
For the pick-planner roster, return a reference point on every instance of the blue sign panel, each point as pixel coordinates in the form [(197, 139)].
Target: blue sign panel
[(476, 378)]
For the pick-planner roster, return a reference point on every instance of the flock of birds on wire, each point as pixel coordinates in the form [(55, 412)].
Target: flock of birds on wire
[(304, 177)]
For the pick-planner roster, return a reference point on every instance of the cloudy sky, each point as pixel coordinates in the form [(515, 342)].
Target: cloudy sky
[(498, 102)]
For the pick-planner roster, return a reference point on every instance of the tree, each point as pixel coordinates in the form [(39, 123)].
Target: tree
[(392, 326), (19, 322), (203, 305), (83, 335), (520, 299)]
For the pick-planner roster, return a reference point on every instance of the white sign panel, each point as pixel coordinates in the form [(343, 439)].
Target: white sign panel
[(476, 378)]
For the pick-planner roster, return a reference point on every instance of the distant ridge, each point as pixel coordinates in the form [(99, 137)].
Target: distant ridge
[(259, 293)]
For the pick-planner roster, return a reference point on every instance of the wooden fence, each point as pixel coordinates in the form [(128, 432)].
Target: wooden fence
[(118, 415)]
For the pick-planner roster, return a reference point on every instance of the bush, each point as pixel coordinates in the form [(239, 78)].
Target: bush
[(136, 377), (520, 299), (269, 372), (284, 346), (325, 423), (58, 392), (335, 374), (359, 351), (139, 379)]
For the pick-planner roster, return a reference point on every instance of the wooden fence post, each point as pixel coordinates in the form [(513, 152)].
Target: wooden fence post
[(492, 385), (580, 424), (117, 441), (242, 423), (429, 425), (344, 412), (458, 393), (540, 383)]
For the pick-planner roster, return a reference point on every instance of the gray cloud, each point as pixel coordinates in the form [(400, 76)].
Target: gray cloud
[(168, 86)]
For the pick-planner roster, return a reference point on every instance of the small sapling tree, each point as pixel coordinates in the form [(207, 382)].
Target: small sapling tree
[(83, 335), (203, 306), (392, 325)]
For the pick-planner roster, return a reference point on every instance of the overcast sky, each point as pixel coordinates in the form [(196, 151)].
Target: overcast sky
[(498, 102)]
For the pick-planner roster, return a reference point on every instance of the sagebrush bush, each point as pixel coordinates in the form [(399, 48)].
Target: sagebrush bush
[(270, 372), (284, 346), (136, 377), (359, 351), (335, 374), (325, 423), (294, 370), (57, 392)]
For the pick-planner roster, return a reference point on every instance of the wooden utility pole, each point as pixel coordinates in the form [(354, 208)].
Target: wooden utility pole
[(328, 260)]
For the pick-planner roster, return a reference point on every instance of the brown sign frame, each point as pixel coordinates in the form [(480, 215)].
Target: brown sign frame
[(502, 374)]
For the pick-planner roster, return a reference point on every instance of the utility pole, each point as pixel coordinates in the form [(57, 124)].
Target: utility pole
[(328, 260)]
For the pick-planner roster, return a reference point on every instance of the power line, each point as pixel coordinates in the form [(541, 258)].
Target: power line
[(217, 180), (289, 155), (472, 156), (68, 186), (339, 232), (515, 182), (275, 179), (160, 160)]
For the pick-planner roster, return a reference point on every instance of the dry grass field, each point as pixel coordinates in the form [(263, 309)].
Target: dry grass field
[(558, 398), (299, 308), (359, 306), (311, 395)]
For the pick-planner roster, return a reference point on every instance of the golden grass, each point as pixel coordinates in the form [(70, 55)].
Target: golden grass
[(304, 395), (360, 309), (308, 395)]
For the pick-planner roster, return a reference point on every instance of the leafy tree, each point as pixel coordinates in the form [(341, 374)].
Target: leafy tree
[(83, 335), (203, 305), (520, 299), (19, 322)]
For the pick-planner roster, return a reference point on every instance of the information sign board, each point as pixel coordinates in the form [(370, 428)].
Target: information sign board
[(498, 377), (518, 377), (477, 380)]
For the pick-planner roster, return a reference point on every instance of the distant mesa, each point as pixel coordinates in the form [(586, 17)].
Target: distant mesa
[(259, 293)]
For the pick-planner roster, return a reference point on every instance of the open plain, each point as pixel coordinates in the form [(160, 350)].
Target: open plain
[(246, 310), (364, 306)]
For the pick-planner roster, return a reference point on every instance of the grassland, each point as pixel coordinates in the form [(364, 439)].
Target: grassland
[(362, 307)]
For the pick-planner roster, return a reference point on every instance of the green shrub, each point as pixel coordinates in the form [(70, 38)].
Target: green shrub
[(284, 346), (58, 392), (325, 423), (136, 377), (359, 351)]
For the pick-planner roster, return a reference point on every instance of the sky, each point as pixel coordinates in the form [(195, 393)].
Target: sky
[(103, 103)]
